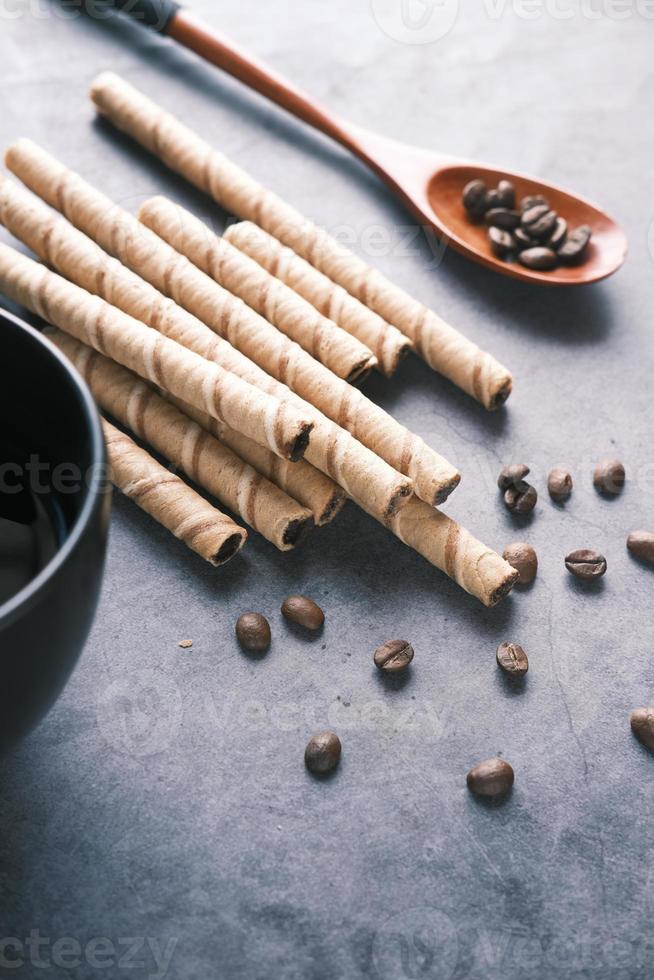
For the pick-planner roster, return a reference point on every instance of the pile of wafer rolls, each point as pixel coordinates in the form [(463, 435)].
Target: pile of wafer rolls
[(233, 359)]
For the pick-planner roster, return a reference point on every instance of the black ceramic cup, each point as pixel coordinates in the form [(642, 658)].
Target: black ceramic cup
[(53, 459)]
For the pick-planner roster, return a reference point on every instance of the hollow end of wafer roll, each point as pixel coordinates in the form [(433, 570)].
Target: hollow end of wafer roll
[(360, 371), (297, 531), (444, 492), (299, 445), (502, 590), (402, 494), (500, 393), (334, 506), (227, 550)]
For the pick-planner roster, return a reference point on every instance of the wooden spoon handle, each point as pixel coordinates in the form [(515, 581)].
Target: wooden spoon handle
[(199, 37)]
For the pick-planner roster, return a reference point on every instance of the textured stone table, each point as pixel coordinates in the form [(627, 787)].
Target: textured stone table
[(165, 796)]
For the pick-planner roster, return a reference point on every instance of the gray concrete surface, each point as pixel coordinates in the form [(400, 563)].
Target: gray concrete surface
[(165, 797)]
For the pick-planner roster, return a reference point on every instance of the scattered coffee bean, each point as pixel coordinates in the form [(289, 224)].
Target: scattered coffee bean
[(323, 753), (641, 544), (524, 559), (253, 632), (642, 725), (533, 201), (474, 198), (506, 194), (559, 484), (586, 564), (609, 476), (305, 612), (494, 777), (539, 258), (512, 474), (502, 218), (544, 227), (559, 234), (393, 656), (501, 242), (512, 659), (575, 245), (521, 498)]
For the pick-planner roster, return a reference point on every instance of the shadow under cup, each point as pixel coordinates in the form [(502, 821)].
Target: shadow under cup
[(54, 509)]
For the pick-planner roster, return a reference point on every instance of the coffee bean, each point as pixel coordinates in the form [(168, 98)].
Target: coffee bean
[(575, 245), (493, 200), (559, 484), (534, 201), (253, 632), (641, 544), (559, 234), (538, 258), (506, 194), (524, 559), (494, 777), (521, 498), (474, 198), (522, 240), (512, 659), (609, 476), (543, 228), (533, 215), (586, 564), (393, 656), (642, 725), (502, 218), (501, 242), (305, 612), (323, 753), (512, 474)]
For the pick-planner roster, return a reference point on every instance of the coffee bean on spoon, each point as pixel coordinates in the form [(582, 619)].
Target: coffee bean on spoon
[(493, 200), (586, 564), (520, 498), (609, 477), (575, 245), (524, 559), (559, 234), (502, 218), (533, 201), (641, 545), (512, 474), (393, 656), (522, 240), (501, 242), (493, 777), (542, 229), (642, 725), (512, 659), (506, 194), (303, 611), (539, 258), (474, 198), (323, 753), (532, 215), (559, 485)]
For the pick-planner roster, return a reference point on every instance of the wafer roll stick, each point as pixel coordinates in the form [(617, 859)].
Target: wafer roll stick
[(260, 503), (444, 348), (152, 356), (301, 481), (164, 496), (148, 255), (79, 259), (476, 568), (385, 341), (242, 276)]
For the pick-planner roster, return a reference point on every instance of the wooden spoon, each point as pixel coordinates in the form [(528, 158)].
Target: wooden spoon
[(429, 183)]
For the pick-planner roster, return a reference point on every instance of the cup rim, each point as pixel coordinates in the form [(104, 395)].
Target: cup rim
[(94, 488)]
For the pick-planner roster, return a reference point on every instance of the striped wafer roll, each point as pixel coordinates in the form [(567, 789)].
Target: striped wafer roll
[(444, 348), (476, 568), (170, 501), (245, 278), (151, 355), (387, 343), (79, 259), (153, 259), (120, 393)]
